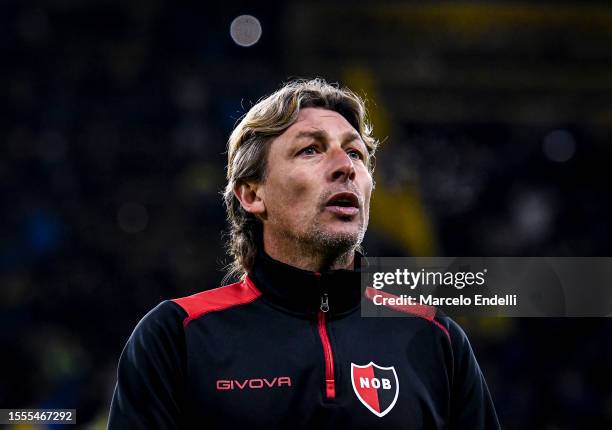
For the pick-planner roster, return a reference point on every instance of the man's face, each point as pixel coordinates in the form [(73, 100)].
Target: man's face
[(317, 188)]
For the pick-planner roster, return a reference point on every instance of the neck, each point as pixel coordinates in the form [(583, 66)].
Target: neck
[(309, 256)]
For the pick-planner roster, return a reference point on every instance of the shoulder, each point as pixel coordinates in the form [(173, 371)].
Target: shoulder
[(465, 362), (455, 332), (151, 372), (217, 299), (162, 322)]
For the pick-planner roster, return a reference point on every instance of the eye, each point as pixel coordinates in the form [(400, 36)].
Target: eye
[(309, 150), (353, 153)]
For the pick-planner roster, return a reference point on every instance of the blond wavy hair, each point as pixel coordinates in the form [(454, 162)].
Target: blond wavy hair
[(248, 145)]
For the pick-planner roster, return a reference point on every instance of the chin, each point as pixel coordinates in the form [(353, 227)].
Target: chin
[(344, 239)]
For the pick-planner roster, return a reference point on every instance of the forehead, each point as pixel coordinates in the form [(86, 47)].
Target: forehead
[(325, 119)]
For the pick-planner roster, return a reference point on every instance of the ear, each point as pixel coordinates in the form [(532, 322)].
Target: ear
[(250, 197)]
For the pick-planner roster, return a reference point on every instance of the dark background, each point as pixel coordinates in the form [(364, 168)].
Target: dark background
[(496, 120)]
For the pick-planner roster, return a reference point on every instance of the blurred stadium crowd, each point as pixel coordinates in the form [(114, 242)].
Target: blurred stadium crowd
[(114, 123)]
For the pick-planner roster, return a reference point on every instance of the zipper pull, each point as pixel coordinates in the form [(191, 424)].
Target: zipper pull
[(324, 303)]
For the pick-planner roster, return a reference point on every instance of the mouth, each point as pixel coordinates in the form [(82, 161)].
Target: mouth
[(345, 204)]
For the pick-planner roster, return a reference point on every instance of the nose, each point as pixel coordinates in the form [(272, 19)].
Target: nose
[(342, 166)]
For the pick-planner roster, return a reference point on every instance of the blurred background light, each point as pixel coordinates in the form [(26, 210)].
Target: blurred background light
[(245, 30), (559, 146), (533, 216)]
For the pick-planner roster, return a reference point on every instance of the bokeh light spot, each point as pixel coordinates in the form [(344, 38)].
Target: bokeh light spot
[(559, 146), (245, 30)]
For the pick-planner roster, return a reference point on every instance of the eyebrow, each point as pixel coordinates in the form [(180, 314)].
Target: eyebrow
[(318, 134)]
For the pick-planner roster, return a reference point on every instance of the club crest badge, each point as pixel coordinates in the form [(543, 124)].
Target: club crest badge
[(376, 387)]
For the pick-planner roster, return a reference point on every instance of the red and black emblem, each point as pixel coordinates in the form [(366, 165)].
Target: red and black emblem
[(376, 387)]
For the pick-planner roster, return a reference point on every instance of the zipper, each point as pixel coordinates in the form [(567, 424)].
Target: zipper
[(330, 382)]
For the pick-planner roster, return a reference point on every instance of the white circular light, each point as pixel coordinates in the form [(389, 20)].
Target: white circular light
[(245, 30)]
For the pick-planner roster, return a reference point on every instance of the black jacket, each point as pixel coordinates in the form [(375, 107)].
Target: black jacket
[(288, 349)]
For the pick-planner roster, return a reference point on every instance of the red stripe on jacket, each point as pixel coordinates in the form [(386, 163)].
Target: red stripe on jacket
[(423, 311), (218, 299)]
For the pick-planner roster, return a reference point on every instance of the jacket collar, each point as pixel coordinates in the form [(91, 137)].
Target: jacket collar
[(301, 291)]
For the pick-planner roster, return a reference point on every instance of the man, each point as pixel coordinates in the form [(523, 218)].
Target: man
[(286, 347)]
